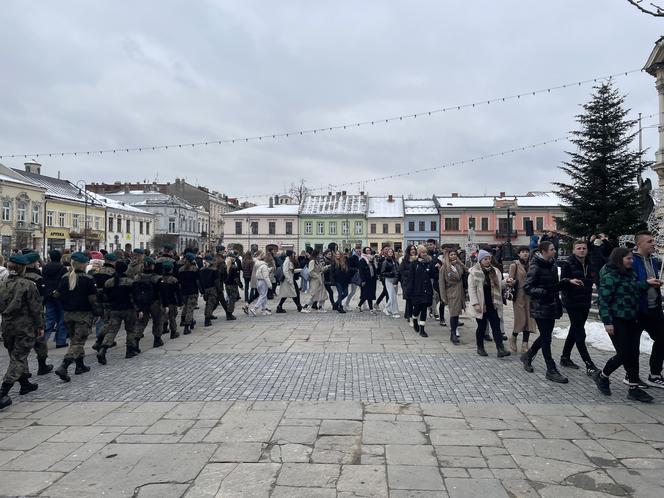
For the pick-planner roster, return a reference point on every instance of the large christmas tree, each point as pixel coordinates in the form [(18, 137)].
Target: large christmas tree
[(603, 193)]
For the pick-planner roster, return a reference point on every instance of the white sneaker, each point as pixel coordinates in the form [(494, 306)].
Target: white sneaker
[(321, 310), (305, 310), (396, 315), (386, 312), (252, 311), (655, 381), (266, 313), (642, 385)]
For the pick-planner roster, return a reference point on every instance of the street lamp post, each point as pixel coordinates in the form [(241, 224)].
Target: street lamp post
[(85, 211), (508, 254)]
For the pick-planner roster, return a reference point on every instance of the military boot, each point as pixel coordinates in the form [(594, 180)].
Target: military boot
[(193, 324), (187, 330), (165, 328), (175, 334), (61, 371), (208, 322), (101, 355), (43, 367), (26, 385), (229, 316), (131, 351), (97, 343), (5, 400), (157, 342), (422, 331), (81, 367)]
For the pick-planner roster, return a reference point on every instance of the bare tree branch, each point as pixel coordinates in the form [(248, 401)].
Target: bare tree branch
[(298, 191), (653, 9)]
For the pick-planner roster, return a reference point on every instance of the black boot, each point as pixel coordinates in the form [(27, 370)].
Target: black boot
[(423, 332), (182, 321), (416, 325), (97, 343), (101, 355), (175, 334), (26, 385), (5, 400), (213, 317), (208, 322), (555, 376), (187, 330), (454, 338), (61, 371), (165, 328), (488, 338), (501, 351), (527, 363), (131, 351), (81, 367), (193, 324), (281, 310), (157, 342), (43, 367), (567, 362), (229, 316), (481, 351)]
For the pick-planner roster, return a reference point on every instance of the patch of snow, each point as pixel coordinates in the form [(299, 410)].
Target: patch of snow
[(597, 337)]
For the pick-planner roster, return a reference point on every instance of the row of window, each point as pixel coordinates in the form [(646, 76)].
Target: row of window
[(332, 228), (188, 225), (271, 228), (21, 211), (397, 228), (113, 227)]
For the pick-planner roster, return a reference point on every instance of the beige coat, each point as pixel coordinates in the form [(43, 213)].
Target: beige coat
[(476, 291), (287, 287), (522, 319), (316, 284), (450, 281), (260, 272)]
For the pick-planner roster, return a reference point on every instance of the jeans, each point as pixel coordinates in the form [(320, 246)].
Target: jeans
[(342, 292), (490, 317), (353, 289), (626, 339), (305, 284), (330, 293), (577, 334), (55, 320), (653, 322), (247, 289), (392, 304), (543, 342)]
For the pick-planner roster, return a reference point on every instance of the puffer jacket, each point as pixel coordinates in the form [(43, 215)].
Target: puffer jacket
[(420, 290), (542, 285), (389, 269), (262, 271), (576, 296), (619, 294)]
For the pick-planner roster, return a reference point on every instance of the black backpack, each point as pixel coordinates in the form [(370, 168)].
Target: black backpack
[(143, 290)]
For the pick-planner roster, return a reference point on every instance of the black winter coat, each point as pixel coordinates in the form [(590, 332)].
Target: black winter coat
[(52, 273), (404, 275), (542, 285), (574, 296), (368, 290), (389, 269), (341, 276), (420, 289), (189, 281)]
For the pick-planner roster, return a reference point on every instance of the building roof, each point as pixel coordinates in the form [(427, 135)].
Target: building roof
[(420, 206), (152, 198), (264, 209), (382, 207), (57, 188), (119, 205), (334, 204), (532, 199), (9, 175)]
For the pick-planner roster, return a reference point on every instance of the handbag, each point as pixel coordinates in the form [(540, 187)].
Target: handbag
[(510, 292), (356, 279)]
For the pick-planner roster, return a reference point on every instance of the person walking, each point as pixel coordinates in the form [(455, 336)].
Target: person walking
[(247, 270), (288, 288), (576, 280), (485, 295), (171, 297), (368, 278), (147, 297), (542, 285), (233, 284), (451, 290), (22, 323), (420, 289), (342, 276), (33, 274), (328, 276), (77, 294), (52, 272), (378, 263), (355, 281), (524, 323), (390, 273), (261, 274), (619, 296), (651, 316), (317, 287), (208, 276), (190, 288), (100, 277), (404, 279)]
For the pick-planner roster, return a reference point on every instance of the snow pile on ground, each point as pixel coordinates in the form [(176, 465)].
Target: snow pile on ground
[(597, 337)]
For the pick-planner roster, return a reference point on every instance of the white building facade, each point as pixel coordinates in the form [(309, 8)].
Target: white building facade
[(263, 226)]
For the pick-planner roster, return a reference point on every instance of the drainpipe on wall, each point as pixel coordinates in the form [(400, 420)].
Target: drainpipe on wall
[(44, 229)]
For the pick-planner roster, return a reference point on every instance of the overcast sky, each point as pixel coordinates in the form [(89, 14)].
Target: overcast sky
[(80, 75)]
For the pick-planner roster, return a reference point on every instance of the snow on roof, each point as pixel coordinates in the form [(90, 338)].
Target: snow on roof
[(420, 206), (119, 205), (532, 199), (382, 207), (55, 187), (334, 204), (7, 178), (264, 209)]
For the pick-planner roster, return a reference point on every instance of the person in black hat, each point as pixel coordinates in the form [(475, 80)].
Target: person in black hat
[(171, 298), (33, 274), (232, 283), (100, 276), (22, 323), (190, 288), (146, 288)]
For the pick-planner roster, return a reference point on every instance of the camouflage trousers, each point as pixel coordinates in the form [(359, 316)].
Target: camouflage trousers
[(190, 303), (233, 296), (41, 347), (172, 317), (156, 313), (79, 325), (116, 317), (211, 301), (18, 336)]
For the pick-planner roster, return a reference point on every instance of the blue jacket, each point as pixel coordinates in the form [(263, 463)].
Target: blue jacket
[(639, 267)]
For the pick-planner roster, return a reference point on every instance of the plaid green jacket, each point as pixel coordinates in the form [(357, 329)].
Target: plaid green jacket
[(619, 294)]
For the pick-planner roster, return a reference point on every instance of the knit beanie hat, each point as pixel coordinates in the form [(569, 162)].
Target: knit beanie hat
[(483, 254)]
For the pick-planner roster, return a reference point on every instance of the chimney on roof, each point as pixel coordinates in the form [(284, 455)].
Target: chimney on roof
[(390, 198), (362, 192), (276, 199), (455, 194), (272, 202), (502, 194), (33, 167), (343, 192), (329, 194)]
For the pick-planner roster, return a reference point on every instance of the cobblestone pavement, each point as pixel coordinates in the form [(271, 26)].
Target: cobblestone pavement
[(326, 405)]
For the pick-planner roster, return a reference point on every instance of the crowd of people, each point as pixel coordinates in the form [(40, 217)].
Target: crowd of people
[(71, 295)]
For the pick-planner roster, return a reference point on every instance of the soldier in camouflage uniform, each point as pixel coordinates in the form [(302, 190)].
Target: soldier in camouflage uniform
[(209, 277), (118, 294), (155, 308), (22, 323), (100, 276), (171, 297), (233, 283), (220, 261), (78, 294), (32, 273), (136, 264), (190, 288)]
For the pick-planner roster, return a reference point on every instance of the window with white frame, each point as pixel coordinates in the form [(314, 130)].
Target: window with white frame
[(20, 210), (62, 219), (333, 227), (344, 228), (358, 227), (88, 222), (140, 227), (147, 228), (308, 228), (6, 210), (74, 221), (35, 214), (171, 224), (110, 224), (320, 228), (49, 218), (97, 222)]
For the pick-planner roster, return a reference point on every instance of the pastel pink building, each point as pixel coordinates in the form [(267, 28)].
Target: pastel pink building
[(484, 219)]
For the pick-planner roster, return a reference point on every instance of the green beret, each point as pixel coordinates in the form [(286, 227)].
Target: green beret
[(148, 260), (80, 257), (169, 246), (110, 257), (18, 259), (167, 265), (32, 257), (25, 252), (139, 251), (189, 256), (208, 258)]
